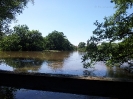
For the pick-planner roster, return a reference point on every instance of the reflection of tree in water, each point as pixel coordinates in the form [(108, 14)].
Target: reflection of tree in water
[(81, 53), (57, 56), (36, 55), (55, 60), (7, 92), (88, 73), (25, 61), (117, 72), (24, 64), (1, 61), (55, 65)]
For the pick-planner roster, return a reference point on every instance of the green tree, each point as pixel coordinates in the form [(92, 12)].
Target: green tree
[(57, 41), (23, 39), (116, 28), (81, 45), (10, 43), (35, 41), (8, 11)]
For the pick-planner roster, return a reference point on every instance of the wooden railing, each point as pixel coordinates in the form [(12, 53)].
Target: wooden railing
[(107, 87)]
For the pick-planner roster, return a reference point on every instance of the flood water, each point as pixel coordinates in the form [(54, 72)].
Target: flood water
[(55, 63)]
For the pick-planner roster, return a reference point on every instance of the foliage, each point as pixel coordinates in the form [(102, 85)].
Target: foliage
[(10, 43), (7, 92), (57, 41), (8, 10), (81, 45), (82, 49), (73, 47), (116, 28), (22, 39)]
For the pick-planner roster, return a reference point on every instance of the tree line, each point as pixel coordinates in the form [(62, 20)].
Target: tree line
[(23, 39)]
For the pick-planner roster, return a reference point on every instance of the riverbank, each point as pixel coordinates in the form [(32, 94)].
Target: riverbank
[(82, 49), (51, 51)]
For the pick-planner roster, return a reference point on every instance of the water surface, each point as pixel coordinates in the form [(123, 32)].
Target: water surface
[(14, 93), (57, 63)]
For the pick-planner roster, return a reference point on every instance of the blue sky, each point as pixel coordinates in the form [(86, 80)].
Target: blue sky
[(74, 18)]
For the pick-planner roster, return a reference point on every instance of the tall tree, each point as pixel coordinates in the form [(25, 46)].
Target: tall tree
[(57, 41), (8, 11), (116, 28)]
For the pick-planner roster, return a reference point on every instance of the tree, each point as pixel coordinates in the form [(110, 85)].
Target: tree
[(7, 92), (23, 39), (57, 41), (10, 43), (81, 45), (116, 28), (8, 11), (35, 41)]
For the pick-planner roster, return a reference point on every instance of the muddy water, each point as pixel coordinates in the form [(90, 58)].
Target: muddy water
[(56, 63)]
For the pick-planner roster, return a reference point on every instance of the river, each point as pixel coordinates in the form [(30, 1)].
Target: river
[(55, 63)]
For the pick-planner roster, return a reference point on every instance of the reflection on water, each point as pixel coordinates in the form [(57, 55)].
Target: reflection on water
[(116, 72), (36, 55), (23, 64), (7, 92), (56, 63), (14, 93)]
